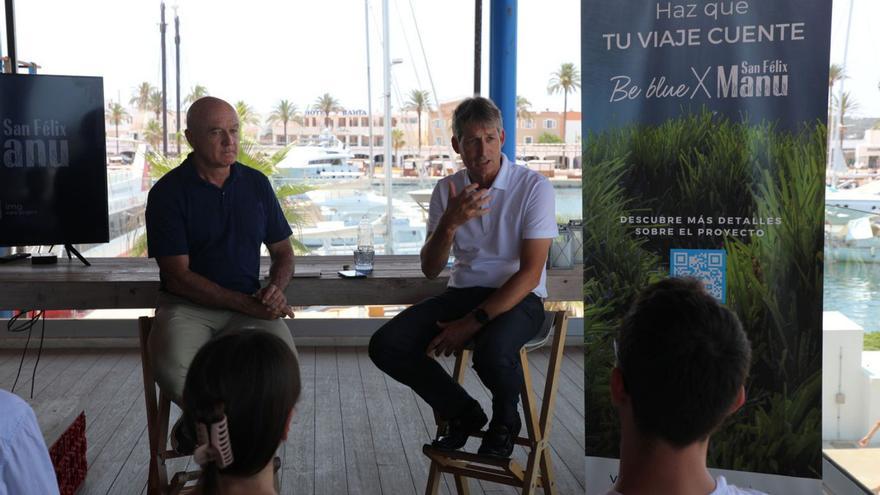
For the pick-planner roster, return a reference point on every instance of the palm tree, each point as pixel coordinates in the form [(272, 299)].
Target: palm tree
[(246, 114), (523, 108), (116, 113), (567, 79), (153, 133), (844, 104), (397, 142), (141, 97), (155, 103), (284, 112), (835, 73), (326, 104), (195, 93), (419, 101)]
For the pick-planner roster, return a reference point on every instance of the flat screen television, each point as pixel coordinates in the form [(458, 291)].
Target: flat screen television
[(53, 165)]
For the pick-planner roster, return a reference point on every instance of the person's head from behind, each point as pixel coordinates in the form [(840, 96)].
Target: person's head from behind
[(212, 129), (681, 366), (250, 379)]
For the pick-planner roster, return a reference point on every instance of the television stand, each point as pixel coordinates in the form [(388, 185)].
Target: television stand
[(70, 249)]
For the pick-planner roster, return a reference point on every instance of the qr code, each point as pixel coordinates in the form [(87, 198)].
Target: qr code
[(707, 265)]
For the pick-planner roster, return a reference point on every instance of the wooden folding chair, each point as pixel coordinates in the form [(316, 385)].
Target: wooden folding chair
[(539, 468), (158, 413)]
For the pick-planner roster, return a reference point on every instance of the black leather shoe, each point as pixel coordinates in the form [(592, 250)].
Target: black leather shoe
[(499, 440), (461, 428)]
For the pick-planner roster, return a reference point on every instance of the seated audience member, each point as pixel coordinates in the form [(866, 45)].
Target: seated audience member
[(24, 460), (682, 362), (867, 438), (239, 392)]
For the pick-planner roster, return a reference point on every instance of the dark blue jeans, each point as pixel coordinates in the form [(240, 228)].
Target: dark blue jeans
[(398, 349)]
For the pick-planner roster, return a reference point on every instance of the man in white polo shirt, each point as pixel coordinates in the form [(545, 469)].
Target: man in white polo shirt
[(498, 219)]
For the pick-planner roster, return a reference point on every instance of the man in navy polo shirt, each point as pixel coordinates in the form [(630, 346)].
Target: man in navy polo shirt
[(206, 222), (498, 219)]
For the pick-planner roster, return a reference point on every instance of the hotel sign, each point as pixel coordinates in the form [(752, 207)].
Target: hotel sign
[(341, 113)]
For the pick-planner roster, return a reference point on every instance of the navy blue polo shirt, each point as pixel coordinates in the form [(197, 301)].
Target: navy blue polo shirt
[(220, 228)]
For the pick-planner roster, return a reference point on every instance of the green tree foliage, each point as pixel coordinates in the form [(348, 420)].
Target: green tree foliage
[(115, 113), (843, 105), (155, 103), (397, 142), (246, 114), (153, 133), (548, 138), (326, 104), (284, 112), (523, 108), (197, 91), (141, 97), (565, 80), (420, 101)]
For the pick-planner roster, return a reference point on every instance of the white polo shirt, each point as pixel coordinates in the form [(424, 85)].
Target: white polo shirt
[(486, 249), (721, 488)]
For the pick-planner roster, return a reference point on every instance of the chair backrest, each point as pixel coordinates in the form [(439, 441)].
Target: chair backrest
[(551, 318)]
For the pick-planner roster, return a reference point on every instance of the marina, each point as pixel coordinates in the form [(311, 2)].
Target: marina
[(340, 195)]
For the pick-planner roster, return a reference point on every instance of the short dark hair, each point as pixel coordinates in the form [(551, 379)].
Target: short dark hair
[(475, 109), (683, 357), (253, 378)]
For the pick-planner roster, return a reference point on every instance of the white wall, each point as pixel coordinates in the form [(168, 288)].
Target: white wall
[(872, 407), (842, 373)]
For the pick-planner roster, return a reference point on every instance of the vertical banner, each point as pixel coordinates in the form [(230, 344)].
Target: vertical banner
[(704, 156)]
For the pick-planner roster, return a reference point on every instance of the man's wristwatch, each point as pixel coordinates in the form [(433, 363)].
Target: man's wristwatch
[(481, 316)]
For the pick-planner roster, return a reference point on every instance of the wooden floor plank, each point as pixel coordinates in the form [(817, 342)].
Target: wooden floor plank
[(132, 476), (568, 408), (354, 431), (574, 374), (414, 433), (103, 429), (566, 432), (298, 470), (567, 391), (99, 397), (63, 399), (9, 360), (361, 470), (106, 466), (51, 363), (574, 355), (330, 472), (447, 485), (394, 474)]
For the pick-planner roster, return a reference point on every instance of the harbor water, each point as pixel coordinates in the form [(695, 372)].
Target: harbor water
[(854, 290)]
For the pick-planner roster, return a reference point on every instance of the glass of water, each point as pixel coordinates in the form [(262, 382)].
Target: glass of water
[(363, 260)]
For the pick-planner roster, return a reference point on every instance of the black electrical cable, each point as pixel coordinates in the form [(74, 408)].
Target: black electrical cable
[(15, 326)]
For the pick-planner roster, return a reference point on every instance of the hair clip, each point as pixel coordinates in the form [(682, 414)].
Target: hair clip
[(214, 445)]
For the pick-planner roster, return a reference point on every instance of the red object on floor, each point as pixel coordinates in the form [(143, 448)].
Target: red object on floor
[(68, 455)]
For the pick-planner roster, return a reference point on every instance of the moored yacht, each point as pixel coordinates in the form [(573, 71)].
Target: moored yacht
[(320, 159)]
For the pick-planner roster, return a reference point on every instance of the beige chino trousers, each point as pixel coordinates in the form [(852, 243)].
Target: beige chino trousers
[(182, 327)]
